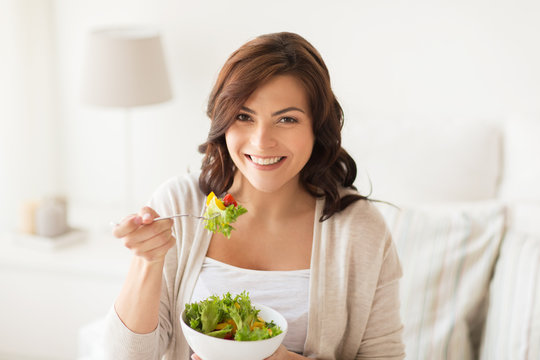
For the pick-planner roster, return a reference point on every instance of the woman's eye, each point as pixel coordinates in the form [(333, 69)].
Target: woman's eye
[(288, 120), (243, 117)]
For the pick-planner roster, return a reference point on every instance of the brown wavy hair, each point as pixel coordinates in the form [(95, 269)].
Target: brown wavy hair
[(329, 166)]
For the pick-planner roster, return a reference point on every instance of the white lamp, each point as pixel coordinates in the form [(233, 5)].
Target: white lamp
[(125, 67)]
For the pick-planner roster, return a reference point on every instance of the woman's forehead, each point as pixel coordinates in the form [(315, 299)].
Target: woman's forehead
[(283, 91)]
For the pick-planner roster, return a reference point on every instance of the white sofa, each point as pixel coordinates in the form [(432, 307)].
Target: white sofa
[(467, 230)]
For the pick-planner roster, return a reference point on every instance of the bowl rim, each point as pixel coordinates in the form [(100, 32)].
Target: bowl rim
[(257, 306)]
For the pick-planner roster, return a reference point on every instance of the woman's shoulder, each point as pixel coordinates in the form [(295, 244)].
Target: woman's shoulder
[(358, 234), (363, 212), (181, 192), (186, 182), (359, 226)]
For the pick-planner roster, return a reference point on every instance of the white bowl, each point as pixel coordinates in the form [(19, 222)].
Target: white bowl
[(212, 348)]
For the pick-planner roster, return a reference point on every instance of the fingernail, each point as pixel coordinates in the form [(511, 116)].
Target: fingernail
[(138, 220), (146, 217)]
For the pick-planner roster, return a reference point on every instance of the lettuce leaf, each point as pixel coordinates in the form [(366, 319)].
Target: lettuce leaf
[(219, 220), (209, 314), (221, 333)]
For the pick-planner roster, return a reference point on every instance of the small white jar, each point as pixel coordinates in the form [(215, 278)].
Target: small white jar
[(51, 217)]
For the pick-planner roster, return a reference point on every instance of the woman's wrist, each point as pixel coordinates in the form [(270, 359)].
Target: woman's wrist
[(295, 356), (146, 265)]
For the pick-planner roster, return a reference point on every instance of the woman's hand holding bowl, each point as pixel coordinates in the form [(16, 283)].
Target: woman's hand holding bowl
[(280, 354)]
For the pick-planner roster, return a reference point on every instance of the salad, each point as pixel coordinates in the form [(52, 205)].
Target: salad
[(229, 318), (220, 213)]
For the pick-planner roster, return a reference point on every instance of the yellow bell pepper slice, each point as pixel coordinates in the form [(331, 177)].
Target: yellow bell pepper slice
[(257, 324), (210, 197), (221, 325), (218, 202)]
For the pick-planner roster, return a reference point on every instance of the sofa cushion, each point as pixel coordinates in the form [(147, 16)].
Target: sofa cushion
[(426, 160), (513, 321), (448, 254)]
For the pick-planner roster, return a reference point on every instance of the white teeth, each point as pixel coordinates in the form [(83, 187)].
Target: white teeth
[(265, 161)]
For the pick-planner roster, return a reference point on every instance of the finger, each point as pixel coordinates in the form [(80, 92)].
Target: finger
[(150, 244), (158, 254), (147, 232), (195, 357), (148, 215), (126, 226), (133, 222)]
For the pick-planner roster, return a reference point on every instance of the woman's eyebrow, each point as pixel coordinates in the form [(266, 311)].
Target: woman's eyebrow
[(246, 109), (279, 112), (290, 108)]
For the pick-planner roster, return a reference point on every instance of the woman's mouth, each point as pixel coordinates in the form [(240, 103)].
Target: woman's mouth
[(265, 161)]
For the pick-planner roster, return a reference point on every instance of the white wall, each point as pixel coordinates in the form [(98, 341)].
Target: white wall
[(30, 132), (413, 59), (410, 59)]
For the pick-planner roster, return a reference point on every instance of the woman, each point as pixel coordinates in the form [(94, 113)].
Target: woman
[(309, 246)]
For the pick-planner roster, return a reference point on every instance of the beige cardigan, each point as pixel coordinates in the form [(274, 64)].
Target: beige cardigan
[(353, 295)]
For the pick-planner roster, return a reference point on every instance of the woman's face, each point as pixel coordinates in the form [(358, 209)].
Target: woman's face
[(272, 137)]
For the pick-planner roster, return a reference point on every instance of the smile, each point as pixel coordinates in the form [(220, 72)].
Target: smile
[(265, 160)]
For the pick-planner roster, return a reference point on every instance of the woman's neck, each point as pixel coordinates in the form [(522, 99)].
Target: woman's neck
[(287, 201)]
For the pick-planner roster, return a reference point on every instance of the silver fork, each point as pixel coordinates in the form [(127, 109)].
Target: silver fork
[(175, 216), (183, 215)]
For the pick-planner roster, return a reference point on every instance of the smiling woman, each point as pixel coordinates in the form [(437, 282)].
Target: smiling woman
[(310, 246)]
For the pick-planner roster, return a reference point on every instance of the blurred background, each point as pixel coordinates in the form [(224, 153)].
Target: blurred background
[(419, 59)]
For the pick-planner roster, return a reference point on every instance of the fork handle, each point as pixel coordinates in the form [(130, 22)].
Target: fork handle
[(113, 224), (178, 215)]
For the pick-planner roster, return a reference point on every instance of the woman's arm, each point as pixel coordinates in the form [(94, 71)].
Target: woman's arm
[(138, 302), (139, 327), (383, 335)]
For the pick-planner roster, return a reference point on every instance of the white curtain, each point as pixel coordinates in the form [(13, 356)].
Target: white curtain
[(29, 126)]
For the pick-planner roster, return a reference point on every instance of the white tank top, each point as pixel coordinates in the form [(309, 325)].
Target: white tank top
[(284, 291)]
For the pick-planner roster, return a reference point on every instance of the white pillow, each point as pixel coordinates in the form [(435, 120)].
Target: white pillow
[(426, 161), (521, 159), (513, 321), (447, 254)]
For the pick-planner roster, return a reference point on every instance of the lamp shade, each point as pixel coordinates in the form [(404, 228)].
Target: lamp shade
[(125, 67)]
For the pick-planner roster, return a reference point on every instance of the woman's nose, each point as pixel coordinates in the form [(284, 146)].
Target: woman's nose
[(263, 137)]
